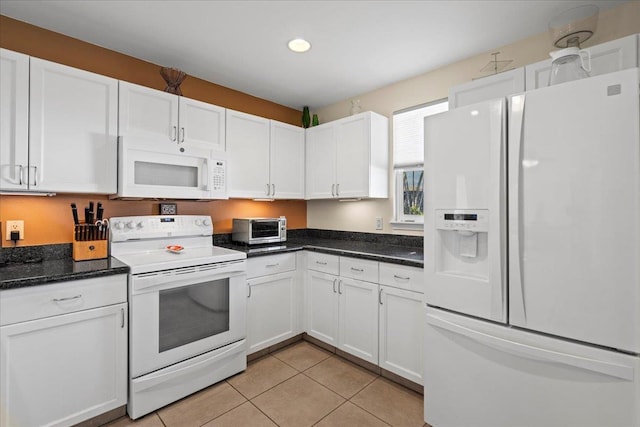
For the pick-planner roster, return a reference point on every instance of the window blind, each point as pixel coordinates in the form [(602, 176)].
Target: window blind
[(408, 133)]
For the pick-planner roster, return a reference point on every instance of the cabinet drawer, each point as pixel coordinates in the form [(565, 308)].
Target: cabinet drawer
[(271, 264), (360, 269), (402, 276), (324, 263), (37, 302)]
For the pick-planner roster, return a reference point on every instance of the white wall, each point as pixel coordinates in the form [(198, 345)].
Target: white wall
[(360, 216)]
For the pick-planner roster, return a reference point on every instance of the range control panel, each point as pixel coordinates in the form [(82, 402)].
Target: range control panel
[(152, 226), (463, 219)]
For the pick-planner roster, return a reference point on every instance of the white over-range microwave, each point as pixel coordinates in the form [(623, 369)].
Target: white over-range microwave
[(151, 169)]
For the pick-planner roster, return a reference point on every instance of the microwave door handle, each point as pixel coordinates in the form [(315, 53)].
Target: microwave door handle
[(205, 172)]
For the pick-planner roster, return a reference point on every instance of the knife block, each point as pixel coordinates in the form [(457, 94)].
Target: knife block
[(89, 249), (84, 250)]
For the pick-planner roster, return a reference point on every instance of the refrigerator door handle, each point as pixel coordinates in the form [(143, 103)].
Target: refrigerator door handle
[(517, 309), (534, 353)]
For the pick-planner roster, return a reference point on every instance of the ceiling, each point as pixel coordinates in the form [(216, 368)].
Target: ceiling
[(357, 46)]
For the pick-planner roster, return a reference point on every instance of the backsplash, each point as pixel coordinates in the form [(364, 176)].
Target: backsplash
[(29, 254)]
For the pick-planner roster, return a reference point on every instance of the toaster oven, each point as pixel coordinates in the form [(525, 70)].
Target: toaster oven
[(253, 231)]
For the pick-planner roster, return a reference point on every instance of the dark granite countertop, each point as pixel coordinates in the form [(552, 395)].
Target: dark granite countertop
[(57, 270), (37, 265), (376, 251)]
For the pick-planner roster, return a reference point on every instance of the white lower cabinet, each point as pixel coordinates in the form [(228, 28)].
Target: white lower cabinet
[(343, 311), (358, 319), (401, 320), (322, 306), (62, 369), (272, 306), (372, 310), (401, 333)]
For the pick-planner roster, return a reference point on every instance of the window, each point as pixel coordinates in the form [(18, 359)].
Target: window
[(408, 162)]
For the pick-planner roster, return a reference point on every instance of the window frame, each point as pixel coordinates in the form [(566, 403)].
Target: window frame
[(402, 220)]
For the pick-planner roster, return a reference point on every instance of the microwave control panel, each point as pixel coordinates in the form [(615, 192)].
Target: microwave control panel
[(218, 178)]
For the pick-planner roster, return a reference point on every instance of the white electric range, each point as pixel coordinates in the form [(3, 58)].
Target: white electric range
[(187, 307)]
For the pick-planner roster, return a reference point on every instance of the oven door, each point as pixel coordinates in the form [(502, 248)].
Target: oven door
[(153, 170), (178, 314), (264, 231)]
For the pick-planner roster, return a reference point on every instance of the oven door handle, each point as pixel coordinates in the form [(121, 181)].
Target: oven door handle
[(158, 378), (167, 280)]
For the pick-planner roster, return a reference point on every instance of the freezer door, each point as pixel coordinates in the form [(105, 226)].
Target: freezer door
[(465, 210), (574, 210), (481, 374)]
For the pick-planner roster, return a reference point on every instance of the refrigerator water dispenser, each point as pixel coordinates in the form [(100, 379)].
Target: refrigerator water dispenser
[(462, 243)]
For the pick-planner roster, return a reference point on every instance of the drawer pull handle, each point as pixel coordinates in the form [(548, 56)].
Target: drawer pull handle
[(340, 287), (67, 298), (401, 278), (359, 270), (380, 296), (122, 313), (272, 265), (334, 285), (249, 296), (321, 263)]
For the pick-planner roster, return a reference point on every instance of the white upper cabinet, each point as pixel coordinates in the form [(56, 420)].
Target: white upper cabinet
[(73, 121), (348, 158), (248, 155), (491, 87), (201, 125), (148, 114), (606, 58), (154, 116), (286, 168), (320, 161), (266, 158), (14, 120)]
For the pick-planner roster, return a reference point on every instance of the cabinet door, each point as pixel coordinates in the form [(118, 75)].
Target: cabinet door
[(320, 162), (353, 156), (491, 87), (401, 333), (202, 125), (148, 114), (271, 310), (64, 369), (322, 306), (286, 169), (248, 155), (358, 319), (14, 120), (606, 58), (73, 125)]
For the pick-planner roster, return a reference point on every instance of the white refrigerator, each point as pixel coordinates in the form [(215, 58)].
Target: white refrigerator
[(532, 258)]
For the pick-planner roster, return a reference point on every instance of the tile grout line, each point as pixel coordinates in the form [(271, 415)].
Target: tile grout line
[(262, 412), (214, 418), (364, 409)]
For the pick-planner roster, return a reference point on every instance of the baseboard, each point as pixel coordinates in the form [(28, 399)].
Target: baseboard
[(261, 353), (105, 418)]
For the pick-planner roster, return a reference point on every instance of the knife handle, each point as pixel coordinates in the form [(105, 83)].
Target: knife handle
[(74, 211), (99, 212)]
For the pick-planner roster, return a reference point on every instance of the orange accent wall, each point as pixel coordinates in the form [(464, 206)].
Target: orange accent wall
[(48, 220)]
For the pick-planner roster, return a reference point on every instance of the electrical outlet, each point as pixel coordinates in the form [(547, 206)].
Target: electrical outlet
[(378, 223), (15, 226)]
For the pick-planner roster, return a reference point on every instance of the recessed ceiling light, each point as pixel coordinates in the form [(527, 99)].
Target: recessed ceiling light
[(299, 45)]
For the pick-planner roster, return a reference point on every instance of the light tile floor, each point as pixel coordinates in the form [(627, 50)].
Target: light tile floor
[(300, 385)]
